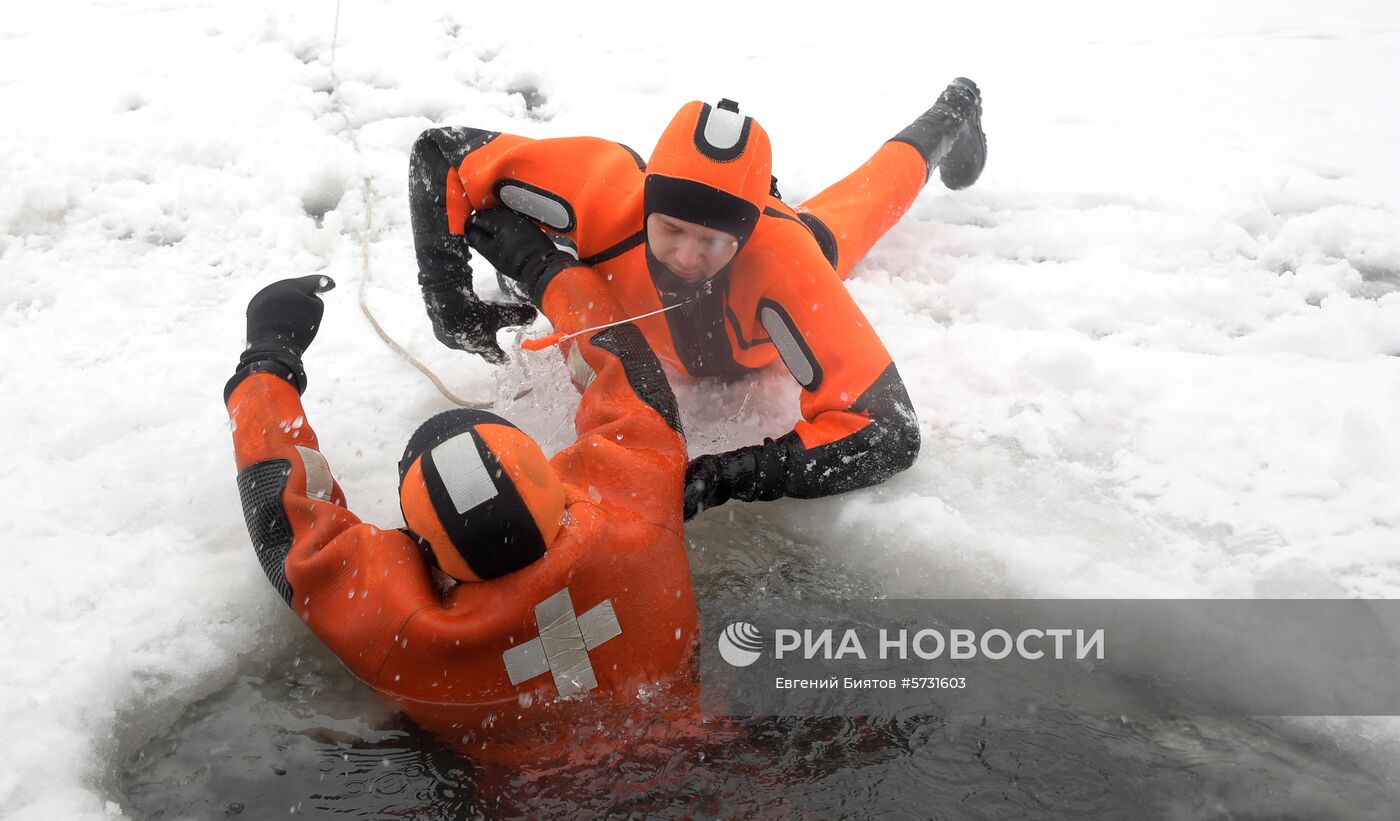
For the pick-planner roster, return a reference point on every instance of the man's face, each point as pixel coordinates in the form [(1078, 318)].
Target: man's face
[(692, 252)]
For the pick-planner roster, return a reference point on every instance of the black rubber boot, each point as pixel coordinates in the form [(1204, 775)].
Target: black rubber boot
[(949, 135)]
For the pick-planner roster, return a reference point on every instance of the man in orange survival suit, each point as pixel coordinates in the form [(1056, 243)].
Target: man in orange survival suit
[(572, 571), (700, 228)]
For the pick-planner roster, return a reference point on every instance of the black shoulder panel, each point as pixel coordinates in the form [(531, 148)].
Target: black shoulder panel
[(643, 369), (260, 487), (822, 234), (825, 239)]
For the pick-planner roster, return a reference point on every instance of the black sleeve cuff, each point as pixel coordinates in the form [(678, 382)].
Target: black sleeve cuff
[(287, 367), (537, 282), (759, 473)]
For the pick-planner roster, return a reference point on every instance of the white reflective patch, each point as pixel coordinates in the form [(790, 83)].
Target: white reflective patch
[(579, 368), (549, 211), (463, 472), (525, 661), (599, 625), (724, 128), (563, 645), (785, 340), (319, 482)]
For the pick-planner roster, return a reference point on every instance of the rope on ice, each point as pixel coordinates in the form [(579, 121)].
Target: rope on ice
[(367, 195)]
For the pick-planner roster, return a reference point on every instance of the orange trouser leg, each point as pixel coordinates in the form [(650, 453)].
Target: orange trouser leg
[(859, 209)]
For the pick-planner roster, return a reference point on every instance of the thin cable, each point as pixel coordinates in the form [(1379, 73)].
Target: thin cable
[(559, 337), (335, 36), (368, 192)]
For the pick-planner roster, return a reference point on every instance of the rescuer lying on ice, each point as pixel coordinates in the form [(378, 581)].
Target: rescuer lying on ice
[(572, 573), (700, 229)]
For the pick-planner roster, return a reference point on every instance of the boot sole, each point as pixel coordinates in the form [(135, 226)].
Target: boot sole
[(963, 164)]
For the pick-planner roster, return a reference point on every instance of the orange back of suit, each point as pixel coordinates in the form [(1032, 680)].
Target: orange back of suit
[(607, 613)]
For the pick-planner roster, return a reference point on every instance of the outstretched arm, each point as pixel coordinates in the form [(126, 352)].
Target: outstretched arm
[(621, 378), (353, 584), (625, 391), (858, 424), (291, 503), (627, 417)]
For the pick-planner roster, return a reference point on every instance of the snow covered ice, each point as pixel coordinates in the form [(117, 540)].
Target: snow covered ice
[(1153, 351)]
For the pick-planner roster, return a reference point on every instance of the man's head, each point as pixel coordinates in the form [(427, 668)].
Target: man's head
[(480, 493), (707, 182)]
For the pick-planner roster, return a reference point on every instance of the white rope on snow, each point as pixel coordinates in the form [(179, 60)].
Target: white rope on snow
[(367, 195)]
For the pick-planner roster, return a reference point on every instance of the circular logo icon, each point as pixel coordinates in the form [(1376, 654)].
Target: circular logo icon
[(740, 644)]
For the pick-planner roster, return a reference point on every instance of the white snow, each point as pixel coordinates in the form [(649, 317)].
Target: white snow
[(1154, 351)]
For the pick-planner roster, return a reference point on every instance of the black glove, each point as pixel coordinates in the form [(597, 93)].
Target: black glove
[(753, 474), (282, 320), (463, 321), (516, 247)]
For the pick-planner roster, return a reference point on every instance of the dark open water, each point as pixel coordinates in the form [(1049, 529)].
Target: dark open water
[(300, 736)]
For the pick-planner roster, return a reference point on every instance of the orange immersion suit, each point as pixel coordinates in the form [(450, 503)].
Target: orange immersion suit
[(781, 296), (607, 612)]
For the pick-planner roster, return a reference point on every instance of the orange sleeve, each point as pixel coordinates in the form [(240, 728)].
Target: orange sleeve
[(352, 583), (575, 187), (826, 343), (626, 393), (858, 424), (630, 447), (580, 189)]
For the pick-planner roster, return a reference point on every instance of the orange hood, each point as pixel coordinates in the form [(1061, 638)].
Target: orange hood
[(712, 167)]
